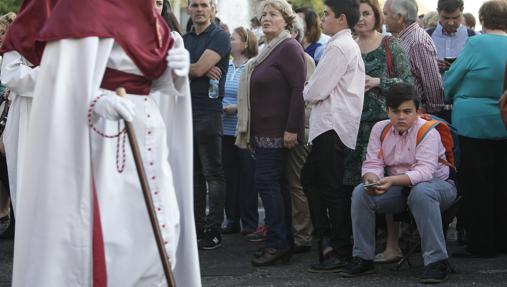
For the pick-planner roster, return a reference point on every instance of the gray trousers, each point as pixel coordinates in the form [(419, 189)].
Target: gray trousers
[(425, 201)]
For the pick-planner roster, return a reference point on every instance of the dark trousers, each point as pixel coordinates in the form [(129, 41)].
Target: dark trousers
[(249, 197), (482, 181), (329, 202), (232, 171), (4, 179), (208, 170), (271, 183)]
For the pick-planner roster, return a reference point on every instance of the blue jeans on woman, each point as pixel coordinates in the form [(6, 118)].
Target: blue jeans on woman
[(271, 183)]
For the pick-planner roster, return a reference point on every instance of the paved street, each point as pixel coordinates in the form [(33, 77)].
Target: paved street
[(230, 266)]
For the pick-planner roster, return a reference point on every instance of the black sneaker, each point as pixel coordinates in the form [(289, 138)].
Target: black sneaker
[(330, 264), (211, 241), (357, 267), (436, 272)]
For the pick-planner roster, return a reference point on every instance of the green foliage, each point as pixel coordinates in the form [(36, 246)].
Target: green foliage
[(317, 5), (8, 6)]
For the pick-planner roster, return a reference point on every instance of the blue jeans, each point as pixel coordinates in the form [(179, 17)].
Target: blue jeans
[(249, 197), (425, 201), (271, 183)]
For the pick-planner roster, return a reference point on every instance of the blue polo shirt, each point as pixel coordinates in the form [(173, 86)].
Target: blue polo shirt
[(217, 40)]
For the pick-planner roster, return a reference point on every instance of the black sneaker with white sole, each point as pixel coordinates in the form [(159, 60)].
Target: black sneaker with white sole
[(211, 241)]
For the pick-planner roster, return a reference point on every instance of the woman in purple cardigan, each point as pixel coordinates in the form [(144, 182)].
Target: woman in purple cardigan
[(271, 121)]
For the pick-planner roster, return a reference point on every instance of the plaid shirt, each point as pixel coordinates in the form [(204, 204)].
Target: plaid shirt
[(423, 62)]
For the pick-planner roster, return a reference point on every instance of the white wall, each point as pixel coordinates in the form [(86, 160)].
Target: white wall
[(235, 13)]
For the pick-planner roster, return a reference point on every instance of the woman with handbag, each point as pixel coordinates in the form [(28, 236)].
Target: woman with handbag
[(386, 64)]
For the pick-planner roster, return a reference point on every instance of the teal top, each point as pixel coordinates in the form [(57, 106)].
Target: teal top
[(474, 84)]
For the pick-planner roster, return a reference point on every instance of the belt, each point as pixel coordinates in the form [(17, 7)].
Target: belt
[(133, 84)]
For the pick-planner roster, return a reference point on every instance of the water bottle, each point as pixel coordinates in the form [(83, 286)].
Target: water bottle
[(213, 90)]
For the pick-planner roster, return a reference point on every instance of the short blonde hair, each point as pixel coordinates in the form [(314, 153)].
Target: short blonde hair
[(7, 19), (285, 8)]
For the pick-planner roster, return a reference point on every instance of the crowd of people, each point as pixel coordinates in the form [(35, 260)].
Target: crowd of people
[(332, 120)]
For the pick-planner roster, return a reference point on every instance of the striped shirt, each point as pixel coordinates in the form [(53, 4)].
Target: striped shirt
[(230, 97), (423, 63)]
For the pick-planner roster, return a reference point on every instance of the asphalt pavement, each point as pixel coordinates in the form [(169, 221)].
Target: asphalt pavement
[(230, 266)]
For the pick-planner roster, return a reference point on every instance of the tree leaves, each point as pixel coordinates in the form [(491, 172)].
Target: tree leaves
[(8, 6)]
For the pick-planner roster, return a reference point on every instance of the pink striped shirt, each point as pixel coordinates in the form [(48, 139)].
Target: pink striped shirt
[(401, 155), (422, 55)]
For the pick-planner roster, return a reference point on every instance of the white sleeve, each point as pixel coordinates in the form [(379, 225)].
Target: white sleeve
[(18, 75)]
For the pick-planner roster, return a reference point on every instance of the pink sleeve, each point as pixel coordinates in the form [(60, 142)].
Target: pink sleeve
[(327, 75), (426, 158), (374, 164)]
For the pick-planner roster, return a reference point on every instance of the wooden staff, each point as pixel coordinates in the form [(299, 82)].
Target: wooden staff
[(147, 198)]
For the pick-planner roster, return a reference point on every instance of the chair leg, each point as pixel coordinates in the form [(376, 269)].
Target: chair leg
[(406, 257)]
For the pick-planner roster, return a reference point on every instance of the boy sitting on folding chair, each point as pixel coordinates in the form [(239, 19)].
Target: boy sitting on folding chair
[(405, 150)]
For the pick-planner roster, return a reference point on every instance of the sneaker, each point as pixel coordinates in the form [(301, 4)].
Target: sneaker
[(211, 241), (436, 272), (230, 228), (258, 236), (357, 267), (330, 264)]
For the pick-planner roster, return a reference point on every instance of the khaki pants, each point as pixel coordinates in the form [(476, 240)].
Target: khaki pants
[(301, 221)]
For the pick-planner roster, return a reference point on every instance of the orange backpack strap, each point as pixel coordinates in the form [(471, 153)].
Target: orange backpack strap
[(385, 131), (425, 129), (383, 135)]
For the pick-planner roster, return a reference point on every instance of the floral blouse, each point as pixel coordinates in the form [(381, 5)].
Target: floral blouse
[(374, 107)]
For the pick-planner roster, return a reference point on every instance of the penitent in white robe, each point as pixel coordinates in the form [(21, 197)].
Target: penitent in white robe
[(53, 245), (19, 76)]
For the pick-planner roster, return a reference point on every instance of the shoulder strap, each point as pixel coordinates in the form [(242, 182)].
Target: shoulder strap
[(385, 132), (383, 135), (390, 68), (425, 129)]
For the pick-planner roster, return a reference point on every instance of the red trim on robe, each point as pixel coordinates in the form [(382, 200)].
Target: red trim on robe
[(99, 256)]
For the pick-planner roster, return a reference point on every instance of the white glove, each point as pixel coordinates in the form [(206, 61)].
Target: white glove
[(179, 61), (113, 107)]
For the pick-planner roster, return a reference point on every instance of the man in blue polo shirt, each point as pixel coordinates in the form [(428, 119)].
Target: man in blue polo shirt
[(209, 49)]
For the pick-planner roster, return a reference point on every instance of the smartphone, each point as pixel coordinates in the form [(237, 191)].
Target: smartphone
[(370, 185), (450, 60)]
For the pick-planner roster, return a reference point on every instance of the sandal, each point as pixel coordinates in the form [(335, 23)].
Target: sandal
[(385, 257)]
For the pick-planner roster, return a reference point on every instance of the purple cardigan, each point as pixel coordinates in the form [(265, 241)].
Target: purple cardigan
[(276, 92)]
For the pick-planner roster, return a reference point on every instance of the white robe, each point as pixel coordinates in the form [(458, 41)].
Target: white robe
[(53, 235), (19, 76)]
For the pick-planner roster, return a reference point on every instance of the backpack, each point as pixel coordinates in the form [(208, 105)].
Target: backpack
[(447, 136)]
